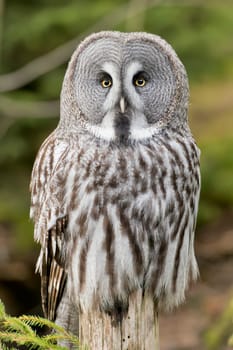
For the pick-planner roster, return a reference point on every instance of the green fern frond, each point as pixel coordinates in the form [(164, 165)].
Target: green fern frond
[(37, 321), (61, 333), (19, 331), (6, 337), (4, 347), (15, 324), (35, 342), (24, 339), (54, 337)]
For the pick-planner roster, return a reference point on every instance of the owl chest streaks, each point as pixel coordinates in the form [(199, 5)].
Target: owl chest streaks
[(132, 212), (115, 187)]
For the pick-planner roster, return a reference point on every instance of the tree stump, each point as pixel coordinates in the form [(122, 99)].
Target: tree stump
[(138, 330)]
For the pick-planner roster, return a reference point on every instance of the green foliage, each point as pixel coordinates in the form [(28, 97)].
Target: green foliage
[(218, 335), (202, 36), (18, 148), (217, 180), (17, 331), (58, 22), (194, 31)]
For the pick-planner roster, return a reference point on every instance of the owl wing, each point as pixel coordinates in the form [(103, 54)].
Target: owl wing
[(53, 275), (50, 221)]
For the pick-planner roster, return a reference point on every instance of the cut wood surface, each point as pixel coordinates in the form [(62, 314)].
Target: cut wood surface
[(138, 329)]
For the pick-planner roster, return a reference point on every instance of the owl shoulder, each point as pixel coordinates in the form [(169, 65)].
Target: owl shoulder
[(51, 155)]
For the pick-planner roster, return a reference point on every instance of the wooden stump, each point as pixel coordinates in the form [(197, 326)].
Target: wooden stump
[(138, 330)]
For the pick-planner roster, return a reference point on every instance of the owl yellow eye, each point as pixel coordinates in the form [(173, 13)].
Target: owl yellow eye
[(140, 82), (106, 83)]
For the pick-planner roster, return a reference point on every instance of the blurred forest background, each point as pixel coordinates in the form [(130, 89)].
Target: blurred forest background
[(36, 41)]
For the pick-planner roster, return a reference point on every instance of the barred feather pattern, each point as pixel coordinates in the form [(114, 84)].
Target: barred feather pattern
[(112, 220), (115, 188)]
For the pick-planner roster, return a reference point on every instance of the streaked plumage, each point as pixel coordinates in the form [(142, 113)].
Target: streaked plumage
[(115, 187)]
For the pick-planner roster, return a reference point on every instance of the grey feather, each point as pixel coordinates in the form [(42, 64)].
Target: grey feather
[(123, 167)]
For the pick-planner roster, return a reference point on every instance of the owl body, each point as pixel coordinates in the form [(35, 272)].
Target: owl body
[(115, 193)]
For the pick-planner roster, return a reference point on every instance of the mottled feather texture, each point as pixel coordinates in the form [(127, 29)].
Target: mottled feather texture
[(115, 201)]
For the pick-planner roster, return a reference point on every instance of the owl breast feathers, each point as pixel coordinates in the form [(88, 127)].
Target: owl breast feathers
[(115, 187)]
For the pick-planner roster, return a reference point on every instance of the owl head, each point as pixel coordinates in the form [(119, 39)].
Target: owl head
[(124, 86)]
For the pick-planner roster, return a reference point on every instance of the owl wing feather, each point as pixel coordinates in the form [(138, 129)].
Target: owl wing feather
[(50, 223), (53, 270)]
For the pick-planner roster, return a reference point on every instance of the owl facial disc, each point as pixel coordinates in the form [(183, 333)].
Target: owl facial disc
[(124, 86)]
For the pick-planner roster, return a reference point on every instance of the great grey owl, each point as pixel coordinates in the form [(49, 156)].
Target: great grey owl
[(115, 187)]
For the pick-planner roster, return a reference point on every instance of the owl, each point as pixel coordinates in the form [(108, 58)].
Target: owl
[(115, 187)]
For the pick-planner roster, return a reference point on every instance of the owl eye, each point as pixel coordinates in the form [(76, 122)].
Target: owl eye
[(106, 83), (139, 81)]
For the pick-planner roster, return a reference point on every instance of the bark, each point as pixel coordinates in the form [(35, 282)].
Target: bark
[(138, 330)]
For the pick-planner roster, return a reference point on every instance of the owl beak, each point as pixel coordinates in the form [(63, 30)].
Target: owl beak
[(122, 105)]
